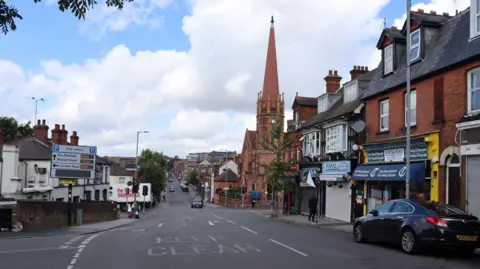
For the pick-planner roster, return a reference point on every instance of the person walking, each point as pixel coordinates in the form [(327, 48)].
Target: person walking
[(312, 204)]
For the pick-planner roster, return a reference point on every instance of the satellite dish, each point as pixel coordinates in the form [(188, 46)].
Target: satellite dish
[(358, 126)]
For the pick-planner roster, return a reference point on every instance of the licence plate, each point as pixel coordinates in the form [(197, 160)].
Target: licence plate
[(467, 238)]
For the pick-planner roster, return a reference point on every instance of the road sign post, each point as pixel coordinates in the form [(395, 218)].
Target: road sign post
[(69, 205)]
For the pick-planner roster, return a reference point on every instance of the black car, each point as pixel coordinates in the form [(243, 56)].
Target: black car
[(415, 224)]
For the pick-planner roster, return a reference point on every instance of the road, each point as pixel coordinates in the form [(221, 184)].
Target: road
[(175, 236)]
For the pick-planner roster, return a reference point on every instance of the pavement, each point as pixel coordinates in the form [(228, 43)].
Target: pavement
[(176, 236)]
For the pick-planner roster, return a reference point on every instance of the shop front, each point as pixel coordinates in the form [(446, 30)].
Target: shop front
[(335, 175), (383, 174), (311, 186), (470, 152)]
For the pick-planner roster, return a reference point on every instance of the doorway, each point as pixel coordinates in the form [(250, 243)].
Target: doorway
[(454, 189)]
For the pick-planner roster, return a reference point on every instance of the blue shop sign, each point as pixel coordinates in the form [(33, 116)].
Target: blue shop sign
[(390, 172), (336, 167)]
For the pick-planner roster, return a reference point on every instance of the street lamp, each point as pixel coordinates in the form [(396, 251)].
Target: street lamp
[(136, 166), (36, 107), (408, 103), (226, 176)]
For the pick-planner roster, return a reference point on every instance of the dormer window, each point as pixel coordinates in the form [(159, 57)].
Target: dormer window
[(322, 104), (475, 19), (415, 45), (388, 59), (350, 92)]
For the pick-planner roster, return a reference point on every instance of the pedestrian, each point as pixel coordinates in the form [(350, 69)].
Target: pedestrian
[(312, 204)]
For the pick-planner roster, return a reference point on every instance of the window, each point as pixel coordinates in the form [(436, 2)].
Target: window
[(384, 115), (415, 45), (121, 180), (350, 92), (388, 59), (401, 207), (336, 138), (311, 143), (322, 104), (413, 108), (474, 90), (475, 18), (383, 209)]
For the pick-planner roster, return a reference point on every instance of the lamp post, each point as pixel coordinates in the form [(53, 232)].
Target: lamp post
[(408, 103), (36, 107), (136, 167)]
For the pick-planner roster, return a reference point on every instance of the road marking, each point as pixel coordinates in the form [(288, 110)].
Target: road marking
[(139, 230), (160, 225), (231, 221), (80, 249), (217, 217), (71, 241), (31, 250), (211, 223), (287, 247), (245, 228)]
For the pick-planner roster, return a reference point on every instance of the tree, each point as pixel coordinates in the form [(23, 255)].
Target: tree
[(9, 14), (11, 128), (153, 170), (192, 177), (276, 142)]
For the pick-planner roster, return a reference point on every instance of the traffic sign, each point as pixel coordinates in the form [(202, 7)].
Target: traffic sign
[(73, 161)]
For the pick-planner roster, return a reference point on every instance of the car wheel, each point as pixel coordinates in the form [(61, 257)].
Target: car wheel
[(408, 241), (466, 251), (358, 233)]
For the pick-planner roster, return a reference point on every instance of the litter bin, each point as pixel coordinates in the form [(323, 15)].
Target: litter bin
[(79, 216)]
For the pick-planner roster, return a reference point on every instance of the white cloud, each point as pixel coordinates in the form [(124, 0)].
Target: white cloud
[(204, 98)]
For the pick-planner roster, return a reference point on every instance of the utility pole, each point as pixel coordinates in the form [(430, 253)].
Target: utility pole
[(226, 177), (136, 167), (408, 103), (36, 107)]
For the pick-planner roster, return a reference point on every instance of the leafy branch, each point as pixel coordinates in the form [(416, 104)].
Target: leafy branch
[(79, 8)]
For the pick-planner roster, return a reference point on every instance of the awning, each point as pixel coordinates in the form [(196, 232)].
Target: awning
[(332, 177), (399, 144), (390, 172)]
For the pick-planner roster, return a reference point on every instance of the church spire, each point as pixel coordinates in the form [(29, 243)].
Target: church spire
[(270, 82)]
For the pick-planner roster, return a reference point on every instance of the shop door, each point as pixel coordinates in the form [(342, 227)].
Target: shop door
[(357, 200), (473, 185), (454, 181)]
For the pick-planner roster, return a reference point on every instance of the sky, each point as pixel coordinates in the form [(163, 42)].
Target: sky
[(187, 71)]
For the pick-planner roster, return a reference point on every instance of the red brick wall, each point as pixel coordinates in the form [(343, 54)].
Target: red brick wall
[(42, 215), (455, 106)]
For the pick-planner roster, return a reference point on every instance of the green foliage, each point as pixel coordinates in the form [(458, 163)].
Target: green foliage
[(153, 170), (277, 143), (170, 165), (10, 128), (192, 177), (79, 8), (234, 192)]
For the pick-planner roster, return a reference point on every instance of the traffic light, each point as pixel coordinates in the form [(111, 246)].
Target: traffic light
[(145, 190), (135, 187)]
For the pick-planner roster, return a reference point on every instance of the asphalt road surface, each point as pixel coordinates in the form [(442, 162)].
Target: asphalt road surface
[(175, 236)]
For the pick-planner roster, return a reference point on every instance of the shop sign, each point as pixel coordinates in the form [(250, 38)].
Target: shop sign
[(338, 167), (470, 141), (389, 172), (398, 155)]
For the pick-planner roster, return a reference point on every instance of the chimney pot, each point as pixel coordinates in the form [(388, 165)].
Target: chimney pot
[(394, 27), (420, 10), (38, 122), (335, 73), (354, 67), (63, 126), (433, 12), (366, 68), (44, 122), (445, 14), (57, 126), (329, 72)]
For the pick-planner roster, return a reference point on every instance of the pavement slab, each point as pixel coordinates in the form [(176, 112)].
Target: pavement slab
[(179, 237)]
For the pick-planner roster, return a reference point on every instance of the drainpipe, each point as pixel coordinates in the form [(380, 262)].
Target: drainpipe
[(26, 167)]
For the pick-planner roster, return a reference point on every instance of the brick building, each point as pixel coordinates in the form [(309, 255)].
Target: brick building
[(442, 55)]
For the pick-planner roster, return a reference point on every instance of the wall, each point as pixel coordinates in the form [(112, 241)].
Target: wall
[(338, 202), (229, 165), (42, 215), (10, 179), (455, 106), (61, 193), (117, 179)]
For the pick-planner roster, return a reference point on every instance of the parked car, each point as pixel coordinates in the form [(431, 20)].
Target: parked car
[(415, 224), (171, 189), (196, 203)]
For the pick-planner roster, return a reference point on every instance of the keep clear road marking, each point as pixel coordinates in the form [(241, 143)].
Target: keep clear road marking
[(287, 247), (211, 223), (245, 228), (231, 221), (160, 225)]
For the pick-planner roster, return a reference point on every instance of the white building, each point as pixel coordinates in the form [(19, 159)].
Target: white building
[(228, 165)]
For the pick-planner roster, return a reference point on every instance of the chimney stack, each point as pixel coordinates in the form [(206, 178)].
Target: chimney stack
[(40, 131), (333, 81), (64, 135), (57, 135), (358, 71), (74, 139)]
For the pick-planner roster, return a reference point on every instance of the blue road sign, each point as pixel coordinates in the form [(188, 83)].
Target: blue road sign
[(56, 147), (93, 150)]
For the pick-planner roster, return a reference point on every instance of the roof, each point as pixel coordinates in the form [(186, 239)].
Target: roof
[(252, 137), (392, 33), (118, 170), (431, 19), (450, 46), (305, 101), (339, 108), (228, 176)]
